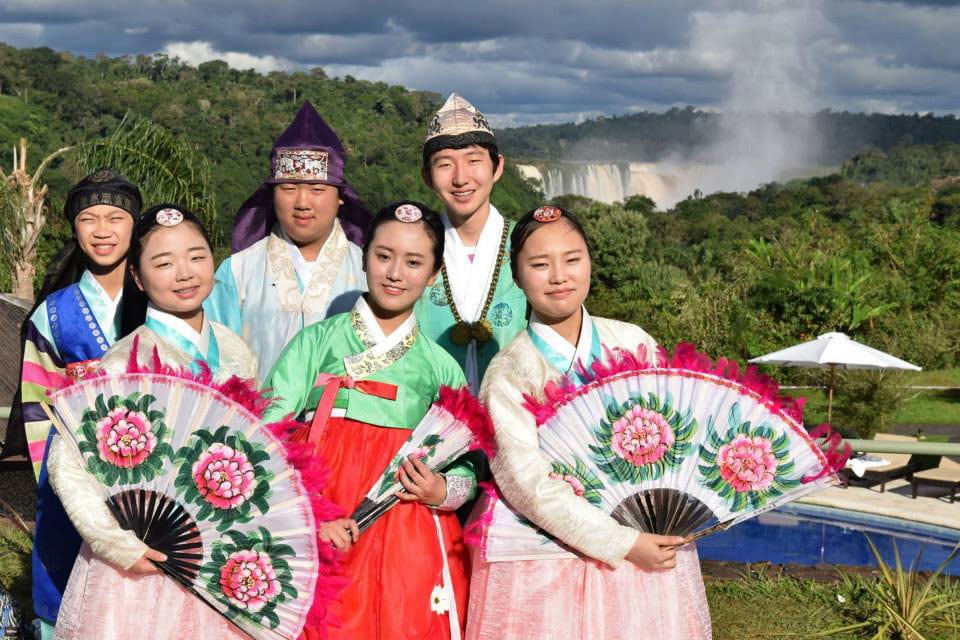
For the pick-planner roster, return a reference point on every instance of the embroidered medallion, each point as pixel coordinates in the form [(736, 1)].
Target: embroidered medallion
[(408, 213), (438, 296), (101, 176), (547, 214), (501, 315), (300, 164), (169, 217)]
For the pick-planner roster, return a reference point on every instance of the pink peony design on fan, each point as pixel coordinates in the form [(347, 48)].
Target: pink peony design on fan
[(249, 572), (748, 464), (248, 580), (224, 476), (581, 479), (125, 438), (641, 436), (573, 481)]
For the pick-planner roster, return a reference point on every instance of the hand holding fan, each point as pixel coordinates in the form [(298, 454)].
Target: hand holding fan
[(668, 445), (194, 475), (454, 425)]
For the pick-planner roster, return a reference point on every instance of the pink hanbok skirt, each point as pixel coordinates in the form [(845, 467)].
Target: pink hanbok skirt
[(104, 602), (582, 599)]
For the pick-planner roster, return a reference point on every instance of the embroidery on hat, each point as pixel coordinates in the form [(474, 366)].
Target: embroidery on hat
[(169, 217), (101, 176), (300, 164), (547, 214), (408, 213)]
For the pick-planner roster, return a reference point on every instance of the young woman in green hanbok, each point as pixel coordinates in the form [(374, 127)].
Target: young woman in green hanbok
[(371, 375)]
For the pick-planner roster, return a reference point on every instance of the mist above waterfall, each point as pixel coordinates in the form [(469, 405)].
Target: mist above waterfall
[(768, 53), (762, 131)]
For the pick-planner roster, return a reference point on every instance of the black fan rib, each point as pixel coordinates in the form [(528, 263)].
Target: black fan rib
[(164, 525)]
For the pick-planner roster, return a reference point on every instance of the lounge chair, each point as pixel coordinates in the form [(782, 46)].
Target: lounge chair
[(899, 464), (946, 474)]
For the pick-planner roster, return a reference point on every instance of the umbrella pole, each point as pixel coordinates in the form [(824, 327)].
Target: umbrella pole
[(833, 370)]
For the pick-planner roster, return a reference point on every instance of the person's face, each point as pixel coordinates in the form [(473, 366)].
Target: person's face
[(103, 233), (553, 269), (399, 266), (463, 179), (176, 269), (306, 210)]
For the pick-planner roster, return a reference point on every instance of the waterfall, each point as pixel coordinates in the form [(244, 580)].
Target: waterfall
[(665, 184)]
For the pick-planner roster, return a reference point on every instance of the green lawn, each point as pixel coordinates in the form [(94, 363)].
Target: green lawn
[(763, 605), (924, 406)]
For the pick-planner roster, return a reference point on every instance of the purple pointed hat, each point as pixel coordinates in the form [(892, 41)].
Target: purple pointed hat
[(307, 151)]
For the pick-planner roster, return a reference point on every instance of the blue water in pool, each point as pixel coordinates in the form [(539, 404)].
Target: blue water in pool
[(808, 535)]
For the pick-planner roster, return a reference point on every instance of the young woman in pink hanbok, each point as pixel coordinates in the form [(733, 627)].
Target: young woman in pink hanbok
[(115, 591), (589, 577)]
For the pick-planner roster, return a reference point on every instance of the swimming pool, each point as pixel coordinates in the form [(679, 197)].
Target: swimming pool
[(808, 535)]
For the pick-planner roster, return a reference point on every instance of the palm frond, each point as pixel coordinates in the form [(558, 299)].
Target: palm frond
[(166, 167)]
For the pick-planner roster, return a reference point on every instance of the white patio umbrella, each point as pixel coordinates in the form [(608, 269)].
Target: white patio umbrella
[(834, 350)]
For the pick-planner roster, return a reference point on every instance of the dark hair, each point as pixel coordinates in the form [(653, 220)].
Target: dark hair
[(430, 220), (461, 141), (528, 223), (133, 305)]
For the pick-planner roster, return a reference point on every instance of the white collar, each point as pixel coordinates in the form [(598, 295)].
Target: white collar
[(470, 281), (383, 342), (200, 340), (559, 344)]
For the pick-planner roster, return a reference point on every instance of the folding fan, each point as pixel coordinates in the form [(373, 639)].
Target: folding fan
[(455, 424), (195, 476), (671, 445)]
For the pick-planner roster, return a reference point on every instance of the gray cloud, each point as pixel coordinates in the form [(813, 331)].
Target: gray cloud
[(549, 61)]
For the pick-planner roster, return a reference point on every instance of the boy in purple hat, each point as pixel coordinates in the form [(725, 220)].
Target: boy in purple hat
[(296, 242)]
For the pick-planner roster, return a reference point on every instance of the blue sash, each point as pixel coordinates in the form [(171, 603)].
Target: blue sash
[(78, 338), (185, 345), (75, 329)]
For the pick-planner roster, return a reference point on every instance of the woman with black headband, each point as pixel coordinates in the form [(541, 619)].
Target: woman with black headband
[(72, 326)]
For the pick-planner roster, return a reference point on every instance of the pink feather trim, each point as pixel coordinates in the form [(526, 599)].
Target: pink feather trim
[(685, 356), (465, 407), (835, 449), (475, 532), (314, 475)]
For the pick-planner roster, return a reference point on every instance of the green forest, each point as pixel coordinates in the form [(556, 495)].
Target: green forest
[(873, 250), (678, 133)]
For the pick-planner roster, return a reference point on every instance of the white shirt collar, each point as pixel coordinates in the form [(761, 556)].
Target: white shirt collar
[(200, 340), (381, 339), (301, 265)]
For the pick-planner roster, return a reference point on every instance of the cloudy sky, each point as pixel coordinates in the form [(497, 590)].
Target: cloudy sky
[(550, 61)]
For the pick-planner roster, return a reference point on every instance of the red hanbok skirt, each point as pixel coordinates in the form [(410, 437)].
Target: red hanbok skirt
[(398, 561)]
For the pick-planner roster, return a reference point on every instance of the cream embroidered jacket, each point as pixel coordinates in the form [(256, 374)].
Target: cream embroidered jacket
[(521, 470)]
